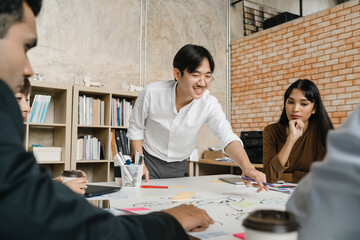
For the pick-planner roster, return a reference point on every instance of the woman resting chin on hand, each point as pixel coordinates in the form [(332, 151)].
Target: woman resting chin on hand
[(291, 145)]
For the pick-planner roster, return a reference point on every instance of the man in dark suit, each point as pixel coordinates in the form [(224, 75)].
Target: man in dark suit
[(32, 206)]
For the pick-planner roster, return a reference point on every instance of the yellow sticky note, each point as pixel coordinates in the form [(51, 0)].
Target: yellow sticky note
[(181, 196), (177, 186), (217, 181)]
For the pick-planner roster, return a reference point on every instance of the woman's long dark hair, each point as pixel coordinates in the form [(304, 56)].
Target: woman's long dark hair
[(311, 92)]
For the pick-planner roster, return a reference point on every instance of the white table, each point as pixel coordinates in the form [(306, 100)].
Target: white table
[(226, 203)]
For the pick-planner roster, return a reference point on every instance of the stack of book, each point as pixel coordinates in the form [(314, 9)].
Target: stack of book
[(119, 142), (121, 110), (89, 148), (39, 108), (91, 111)]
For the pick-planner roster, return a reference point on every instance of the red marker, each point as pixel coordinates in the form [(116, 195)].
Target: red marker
[(151, 186)]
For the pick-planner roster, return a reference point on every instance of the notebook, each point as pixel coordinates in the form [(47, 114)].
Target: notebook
[(96, 190), (233, 180)]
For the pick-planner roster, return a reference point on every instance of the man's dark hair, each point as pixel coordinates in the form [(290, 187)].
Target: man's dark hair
[(190, 57), (11, 11)]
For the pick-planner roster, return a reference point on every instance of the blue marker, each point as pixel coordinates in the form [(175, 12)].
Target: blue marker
[(132, 168), (250, 179)]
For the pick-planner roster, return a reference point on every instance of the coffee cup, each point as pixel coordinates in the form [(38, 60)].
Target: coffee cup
[(270, 225), (68, 175)]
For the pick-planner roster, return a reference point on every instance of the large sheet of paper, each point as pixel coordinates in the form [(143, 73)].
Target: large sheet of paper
[(227, 204)]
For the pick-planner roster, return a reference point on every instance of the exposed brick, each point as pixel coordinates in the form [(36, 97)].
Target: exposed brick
[(337, 102), (323, 47), (338, 114)]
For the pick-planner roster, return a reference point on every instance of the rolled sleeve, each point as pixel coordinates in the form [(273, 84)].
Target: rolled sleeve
[(220, 126)]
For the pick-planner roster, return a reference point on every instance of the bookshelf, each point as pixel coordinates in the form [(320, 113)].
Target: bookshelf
[(56, 129), (96, 170)]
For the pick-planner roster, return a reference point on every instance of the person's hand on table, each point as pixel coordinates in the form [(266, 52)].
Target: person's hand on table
[(191, 218), (76, 185), (146, 173), (258, 176)]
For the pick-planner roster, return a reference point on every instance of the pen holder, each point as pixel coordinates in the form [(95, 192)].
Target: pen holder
[(131, 175)]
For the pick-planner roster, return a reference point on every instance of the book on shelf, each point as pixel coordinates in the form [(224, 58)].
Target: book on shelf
[(113, 149), (102, 113), (121, 109), (96, 112), (91, 111), (89, 148), (90, 120), (121, 142), (87, 112), (80, 110), (39, 108)]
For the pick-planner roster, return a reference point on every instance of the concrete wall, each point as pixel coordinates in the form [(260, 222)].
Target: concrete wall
[(100, 38)]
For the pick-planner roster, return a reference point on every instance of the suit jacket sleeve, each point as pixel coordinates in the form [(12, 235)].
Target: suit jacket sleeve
[(32, 206), (326, 202)]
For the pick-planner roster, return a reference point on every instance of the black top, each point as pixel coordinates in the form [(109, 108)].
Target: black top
[(32, 206)]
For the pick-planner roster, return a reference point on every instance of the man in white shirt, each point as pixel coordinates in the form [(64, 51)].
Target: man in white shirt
[(168, 116)]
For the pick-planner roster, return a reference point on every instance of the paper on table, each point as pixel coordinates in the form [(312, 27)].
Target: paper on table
[(183, 196)]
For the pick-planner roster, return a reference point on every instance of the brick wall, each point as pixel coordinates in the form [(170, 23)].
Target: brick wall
[(322, 47)]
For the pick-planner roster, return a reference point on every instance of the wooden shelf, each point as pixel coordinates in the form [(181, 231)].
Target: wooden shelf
[(50, 162), (92, 161), (92, 126), (46, 125), (118, 127), (217, 163), (230, 164), (56, 130), (96, 170)]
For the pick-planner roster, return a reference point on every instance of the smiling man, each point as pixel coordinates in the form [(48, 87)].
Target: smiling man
[(168, 116)]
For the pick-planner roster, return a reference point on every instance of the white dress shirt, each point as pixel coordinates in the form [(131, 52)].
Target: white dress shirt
[(171, 135)]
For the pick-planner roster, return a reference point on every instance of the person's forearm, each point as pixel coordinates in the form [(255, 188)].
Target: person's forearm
[(284, 153), (135, 145), (237, 153)]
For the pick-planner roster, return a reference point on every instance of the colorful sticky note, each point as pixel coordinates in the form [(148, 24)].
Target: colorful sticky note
[(181, 196), (217, 181), (136, 209), (240, 235)]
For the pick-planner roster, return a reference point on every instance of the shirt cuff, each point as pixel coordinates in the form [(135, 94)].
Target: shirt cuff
[(135, 136), (226, 141)]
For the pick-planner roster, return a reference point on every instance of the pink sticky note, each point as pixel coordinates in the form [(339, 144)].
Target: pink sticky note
[(136, 209), (240, 235)]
